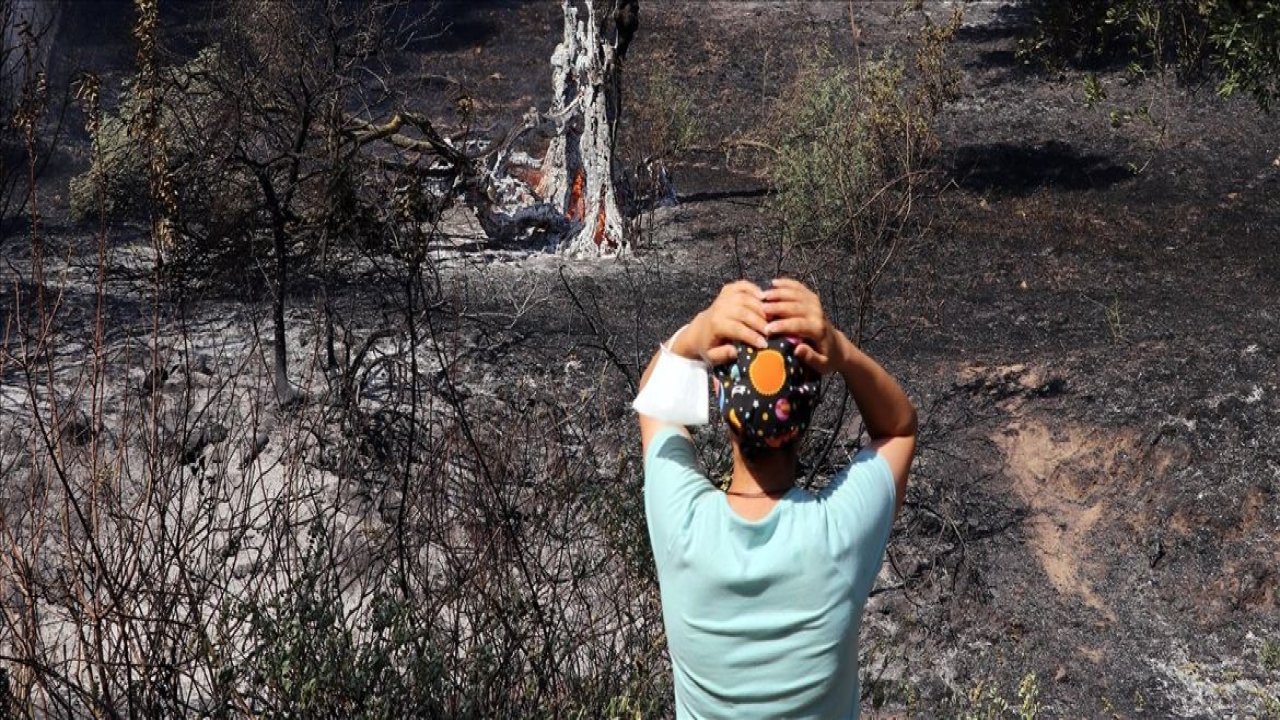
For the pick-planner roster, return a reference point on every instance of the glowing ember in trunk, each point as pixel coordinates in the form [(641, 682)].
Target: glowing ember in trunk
[(599, 236), (577, 203)]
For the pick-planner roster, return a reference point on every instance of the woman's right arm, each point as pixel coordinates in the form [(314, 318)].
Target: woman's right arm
[(888, 413)]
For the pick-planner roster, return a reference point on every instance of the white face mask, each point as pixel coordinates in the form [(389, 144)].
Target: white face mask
[(676, 392)]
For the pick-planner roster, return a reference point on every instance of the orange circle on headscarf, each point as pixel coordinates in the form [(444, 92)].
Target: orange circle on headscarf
[(768, 372)]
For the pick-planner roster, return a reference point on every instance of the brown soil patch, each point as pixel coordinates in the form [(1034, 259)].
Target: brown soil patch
[(1061, 474), (992, 376), (1092, 654)]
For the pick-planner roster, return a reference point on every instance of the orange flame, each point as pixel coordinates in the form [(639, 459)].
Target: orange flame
[(599, 236), (577, 203), (529, 176)]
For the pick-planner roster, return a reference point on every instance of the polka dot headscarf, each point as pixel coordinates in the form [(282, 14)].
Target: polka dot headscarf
[(767, 396)]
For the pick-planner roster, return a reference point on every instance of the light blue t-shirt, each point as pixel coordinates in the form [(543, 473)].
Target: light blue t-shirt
[(762, 616)]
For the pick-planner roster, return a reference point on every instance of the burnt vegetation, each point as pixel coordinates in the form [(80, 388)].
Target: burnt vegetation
[(301, 415)]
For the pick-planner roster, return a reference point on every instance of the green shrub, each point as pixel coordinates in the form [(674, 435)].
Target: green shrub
[(854, 148), (120, 169), (663, 126), (187, 107), (664, 114), (852, 142), (984, 701), (1233, 42), (313, 655), (1270, 655)]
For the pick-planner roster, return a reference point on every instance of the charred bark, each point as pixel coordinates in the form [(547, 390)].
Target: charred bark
[(578, 173), (28, 29), (571, 195)]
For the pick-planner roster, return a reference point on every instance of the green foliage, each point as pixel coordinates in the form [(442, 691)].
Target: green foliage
[(1270, 655), (663, 125), (1269, 706), (824, 154), (1245, 42), (121, 170), (312, 655), (665, 113), (334, 641), (214, 201), (1028, 697), (1094, 93), (853, 154), (119, 163), (1233, 42), (850, 143)]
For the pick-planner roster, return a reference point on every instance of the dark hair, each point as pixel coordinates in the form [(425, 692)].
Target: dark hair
[(755, 452)]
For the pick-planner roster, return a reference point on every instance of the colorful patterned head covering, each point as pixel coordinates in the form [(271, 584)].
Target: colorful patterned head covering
[(767, 396)]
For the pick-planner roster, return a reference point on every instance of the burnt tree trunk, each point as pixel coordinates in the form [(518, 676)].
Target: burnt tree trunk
[(280, 248), (572, 195), (27, 32), (579, 174)]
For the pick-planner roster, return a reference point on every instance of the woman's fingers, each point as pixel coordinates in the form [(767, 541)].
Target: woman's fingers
[(744, 286), (785, 282), (806, 326), (803, 326), (722, 354), (788, 309), (740, 294), (745, 313), (754, 304), (741, 327), (788, 286), (750, 336), (791, 301), (772, 297), (812, 358), (751, 318), (783, 293)]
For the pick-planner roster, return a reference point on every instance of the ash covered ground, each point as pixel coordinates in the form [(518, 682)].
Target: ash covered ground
[(1090, 335), (1089, 332)]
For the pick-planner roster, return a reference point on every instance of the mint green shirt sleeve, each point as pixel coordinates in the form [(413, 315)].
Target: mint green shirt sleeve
[(860, 507), (672, 481)]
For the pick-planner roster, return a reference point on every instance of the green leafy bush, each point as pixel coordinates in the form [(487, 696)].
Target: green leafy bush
[(119, 166), (984, 701), (1270, 655), (854, 149), (1235, 43), (662, 126), (852, 143), (664, 114), (311, 654)]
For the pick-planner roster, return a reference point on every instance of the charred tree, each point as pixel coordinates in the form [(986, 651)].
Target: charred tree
[(27, 32), (579, 174), (572, 196)]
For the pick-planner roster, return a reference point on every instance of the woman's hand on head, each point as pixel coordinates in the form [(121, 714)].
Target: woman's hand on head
[(793, 309), (736, 315)]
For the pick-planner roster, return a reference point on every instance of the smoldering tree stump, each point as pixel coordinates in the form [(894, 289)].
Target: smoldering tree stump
[(570, 196), (578, 175)]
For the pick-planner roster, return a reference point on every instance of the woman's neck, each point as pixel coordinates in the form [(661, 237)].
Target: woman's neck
[(769, 474)]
